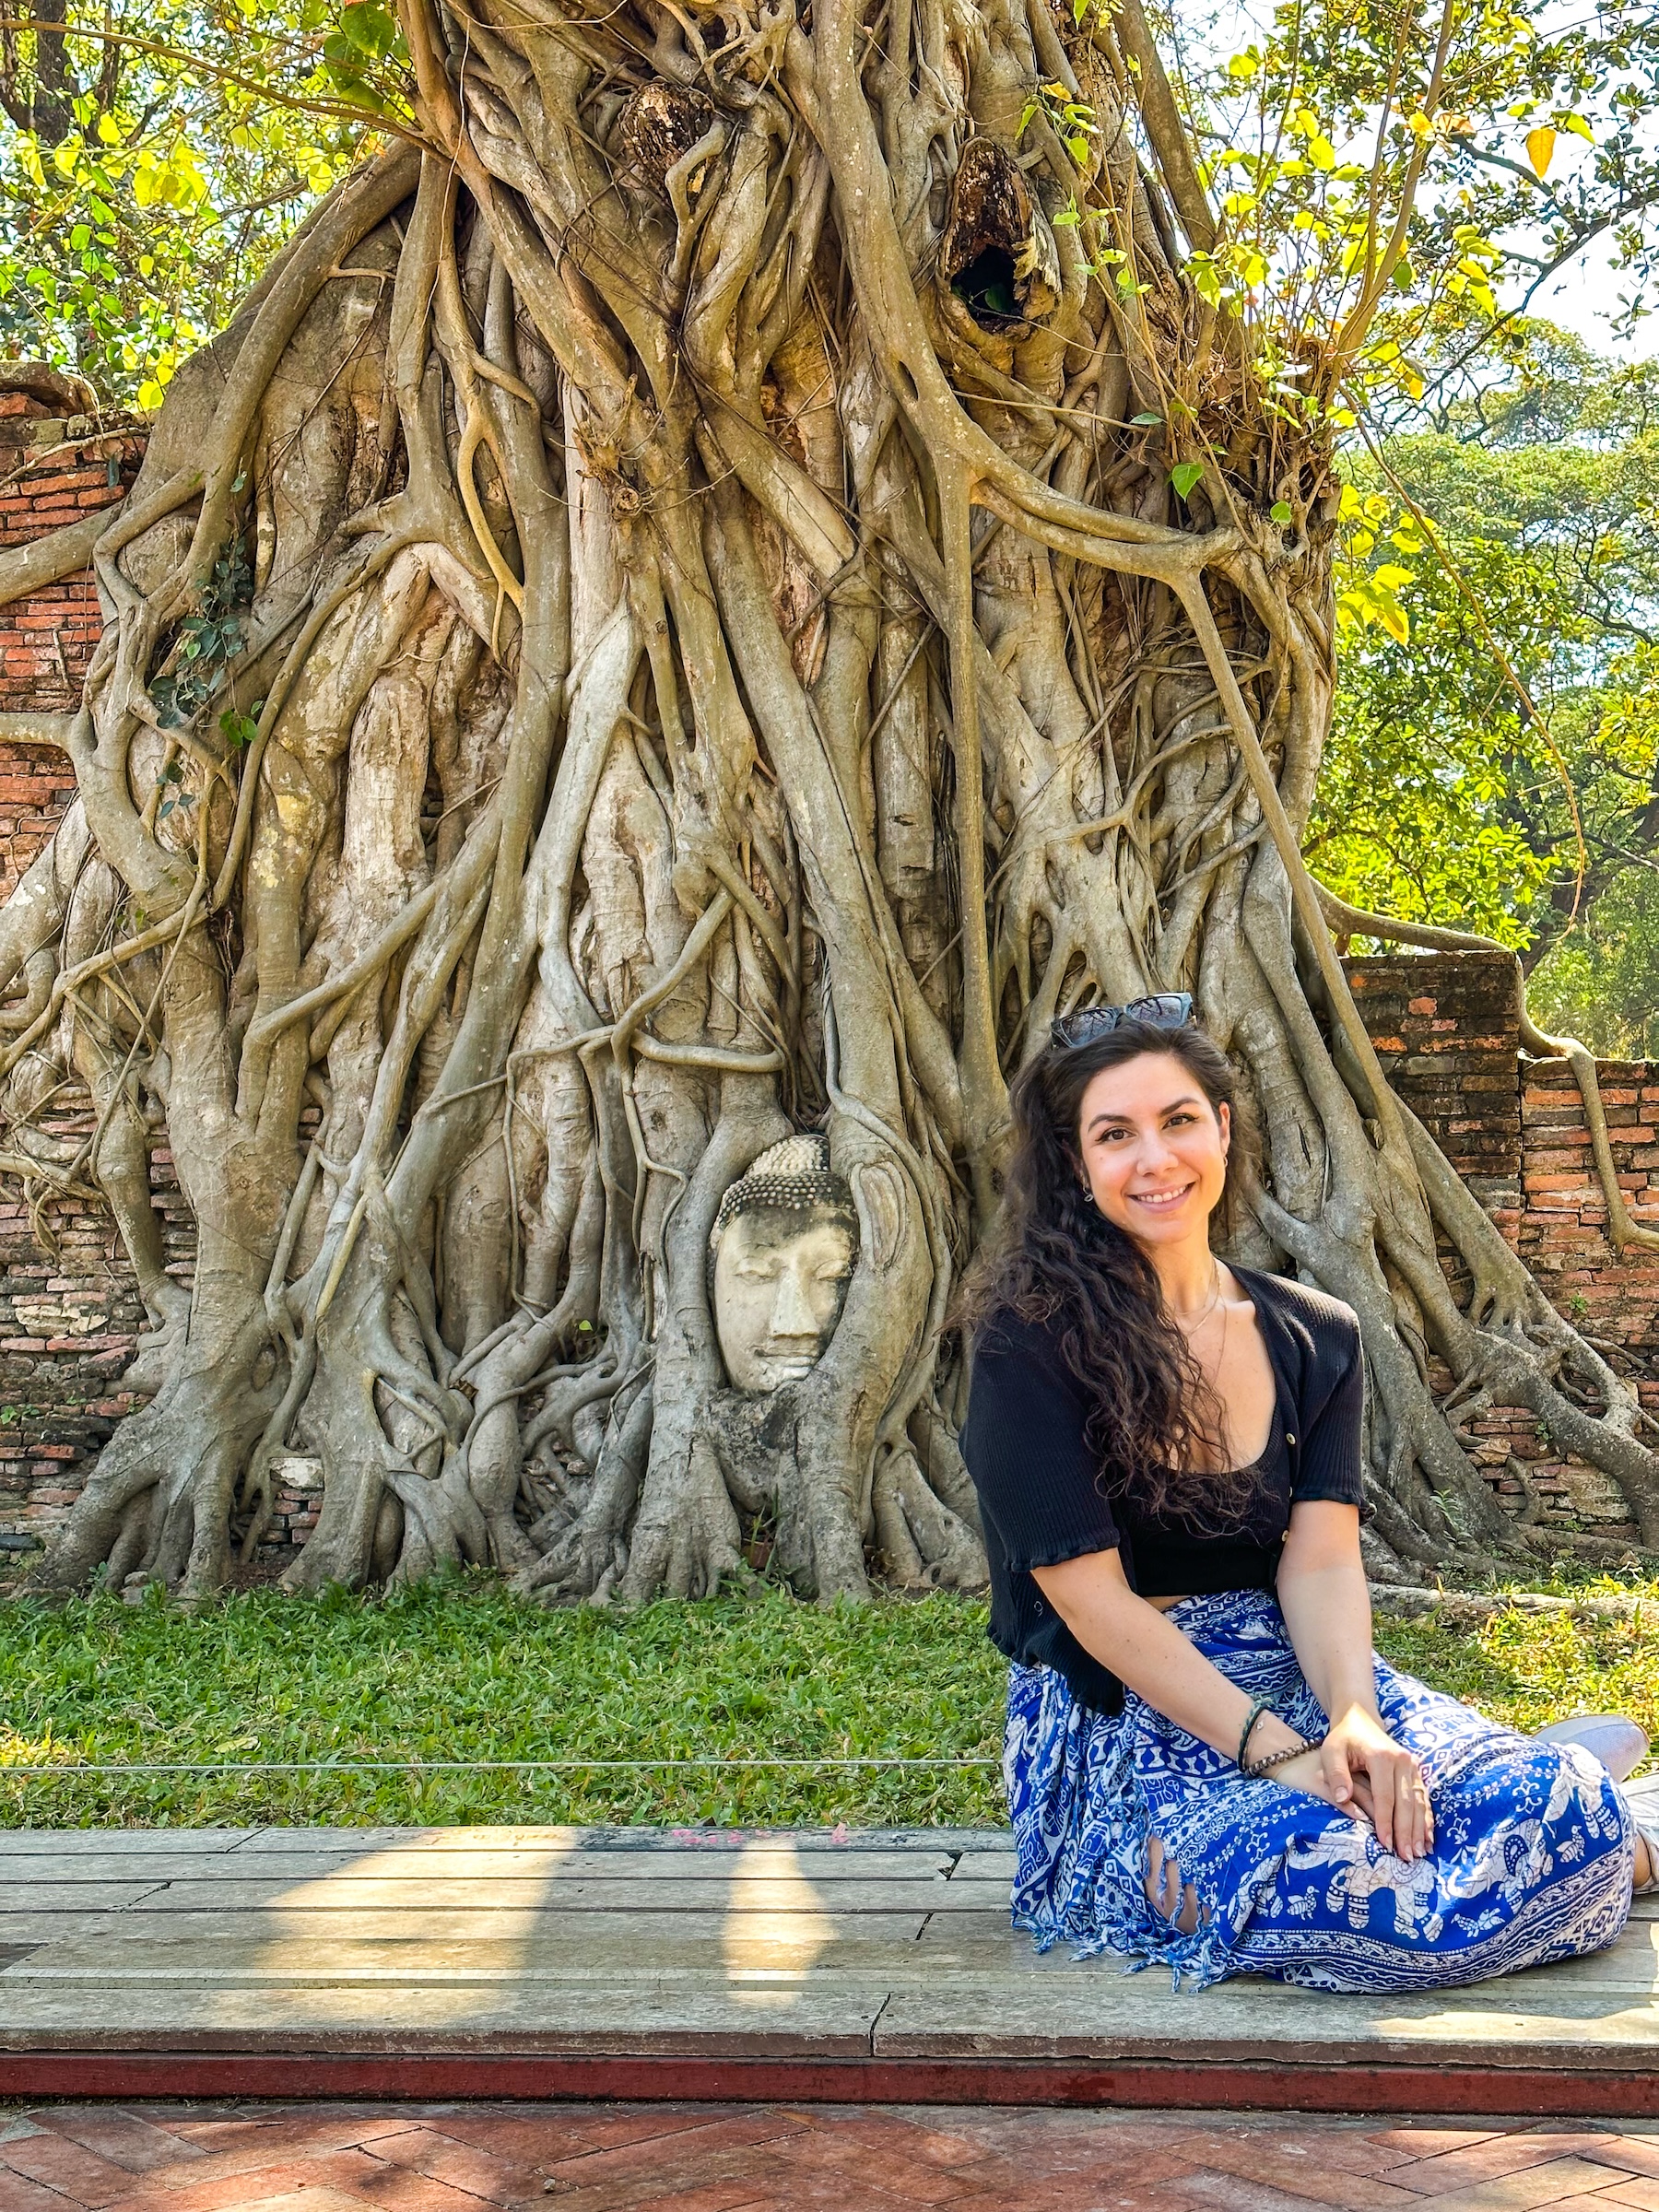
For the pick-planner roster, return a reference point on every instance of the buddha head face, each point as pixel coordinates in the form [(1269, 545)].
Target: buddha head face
[(784, 1245)]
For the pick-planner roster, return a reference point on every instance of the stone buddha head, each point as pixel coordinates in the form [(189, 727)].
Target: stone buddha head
[(784, 1246)]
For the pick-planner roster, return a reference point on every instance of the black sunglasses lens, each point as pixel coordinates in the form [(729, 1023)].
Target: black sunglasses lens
[(1165, 1010), (1161, 1009), (1085, 1025)]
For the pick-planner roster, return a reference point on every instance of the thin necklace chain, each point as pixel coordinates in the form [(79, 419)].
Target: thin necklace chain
[(1190, 1328), (1222, 1352)]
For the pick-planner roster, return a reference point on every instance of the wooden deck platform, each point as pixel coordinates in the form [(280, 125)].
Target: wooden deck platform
[(564, 1962)]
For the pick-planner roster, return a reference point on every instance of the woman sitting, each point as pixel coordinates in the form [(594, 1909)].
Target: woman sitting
[(1205, 1761)]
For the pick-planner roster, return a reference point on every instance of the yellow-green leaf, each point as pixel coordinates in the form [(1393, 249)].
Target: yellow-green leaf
[(1184, 476)]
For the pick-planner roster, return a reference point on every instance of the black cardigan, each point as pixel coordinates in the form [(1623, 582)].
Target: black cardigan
[(1038, 1480)]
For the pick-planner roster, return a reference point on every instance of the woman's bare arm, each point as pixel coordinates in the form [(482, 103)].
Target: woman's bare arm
[(1326, 1605), (1148, 1652)]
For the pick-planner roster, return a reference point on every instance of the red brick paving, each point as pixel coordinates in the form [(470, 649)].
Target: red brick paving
[(666, 2158)]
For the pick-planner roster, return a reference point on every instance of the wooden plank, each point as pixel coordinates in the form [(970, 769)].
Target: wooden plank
[(955, 1944), (985, 1867), (823, 1870), (481, 1966), (973, 1896), (721, 1949), (735, 2018), (61, 1844), (1260, 2023), (26, 1893), (711, 1842), (28, 1929), (709, 1944), (639, 1931), (1140, 2016), (505, 1892)]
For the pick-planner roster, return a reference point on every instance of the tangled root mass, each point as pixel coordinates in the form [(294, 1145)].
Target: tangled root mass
[(665, 622)]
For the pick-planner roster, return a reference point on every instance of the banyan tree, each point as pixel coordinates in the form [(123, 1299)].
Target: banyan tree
[(751, 557)]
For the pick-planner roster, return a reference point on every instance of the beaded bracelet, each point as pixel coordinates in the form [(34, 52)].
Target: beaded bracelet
[(1259, 1767), (1254, 1714)]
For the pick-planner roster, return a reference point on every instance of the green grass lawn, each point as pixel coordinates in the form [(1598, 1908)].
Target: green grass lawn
[(460, 1671)]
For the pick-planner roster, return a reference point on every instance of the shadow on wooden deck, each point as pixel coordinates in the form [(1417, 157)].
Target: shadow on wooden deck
[(636, 1964)]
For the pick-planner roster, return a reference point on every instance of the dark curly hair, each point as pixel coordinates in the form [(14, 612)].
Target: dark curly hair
[(1056, 1260)]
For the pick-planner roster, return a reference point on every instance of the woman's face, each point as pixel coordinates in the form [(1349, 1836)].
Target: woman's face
[(1154, 1150)]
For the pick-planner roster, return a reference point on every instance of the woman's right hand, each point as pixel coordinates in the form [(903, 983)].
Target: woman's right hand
[(1311, 1773)]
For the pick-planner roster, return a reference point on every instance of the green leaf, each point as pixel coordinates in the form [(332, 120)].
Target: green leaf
[(1281, 515), (1146, 421), (1184, 476), (372, 28)]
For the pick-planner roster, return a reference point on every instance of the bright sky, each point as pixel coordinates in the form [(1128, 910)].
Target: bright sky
[(1584, 299)]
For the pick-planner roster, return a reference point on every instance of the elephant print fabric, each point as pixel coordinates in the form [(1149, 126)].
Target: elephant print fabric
[(1531, 1861)]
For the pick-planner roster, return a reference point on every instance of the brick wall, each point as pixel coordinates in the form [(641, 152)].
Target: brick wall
[(69, 1308), (69, 1315), (1448, 1033), (53, 470), (1447, 1030)]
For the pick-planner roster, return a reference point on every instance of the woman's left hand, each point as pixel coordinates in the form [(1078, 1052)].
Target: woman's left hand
[(1368, 1772)]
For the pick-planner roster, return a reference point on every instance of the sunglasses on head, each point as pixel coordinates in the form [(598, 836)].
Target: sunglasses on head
[(1161, 1010)]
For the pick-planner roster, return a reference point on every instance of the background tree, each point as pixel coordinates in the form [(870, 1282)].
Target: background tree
[(1495, 739), (153, 158), (772, 552)]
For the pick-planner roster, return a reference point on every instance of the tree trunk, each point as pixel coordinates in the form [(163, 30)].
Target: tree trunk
[(666, 620)]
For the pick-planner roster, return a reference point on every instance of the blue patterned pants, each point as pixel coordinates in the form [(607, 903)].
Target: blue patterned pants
[(1532, 1855)]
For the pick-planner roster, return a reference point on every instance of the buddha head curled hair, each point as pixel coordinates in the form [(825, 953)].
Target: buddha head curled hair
[(781, 1252)]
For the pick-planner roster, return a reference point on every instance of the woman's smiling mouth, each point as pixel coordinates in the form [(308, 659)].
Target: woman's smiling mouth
[(1158, 1199)]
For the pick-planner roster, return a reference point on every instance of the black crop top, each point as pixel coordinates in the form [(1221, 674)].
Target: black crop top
[(1038, 1489)]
